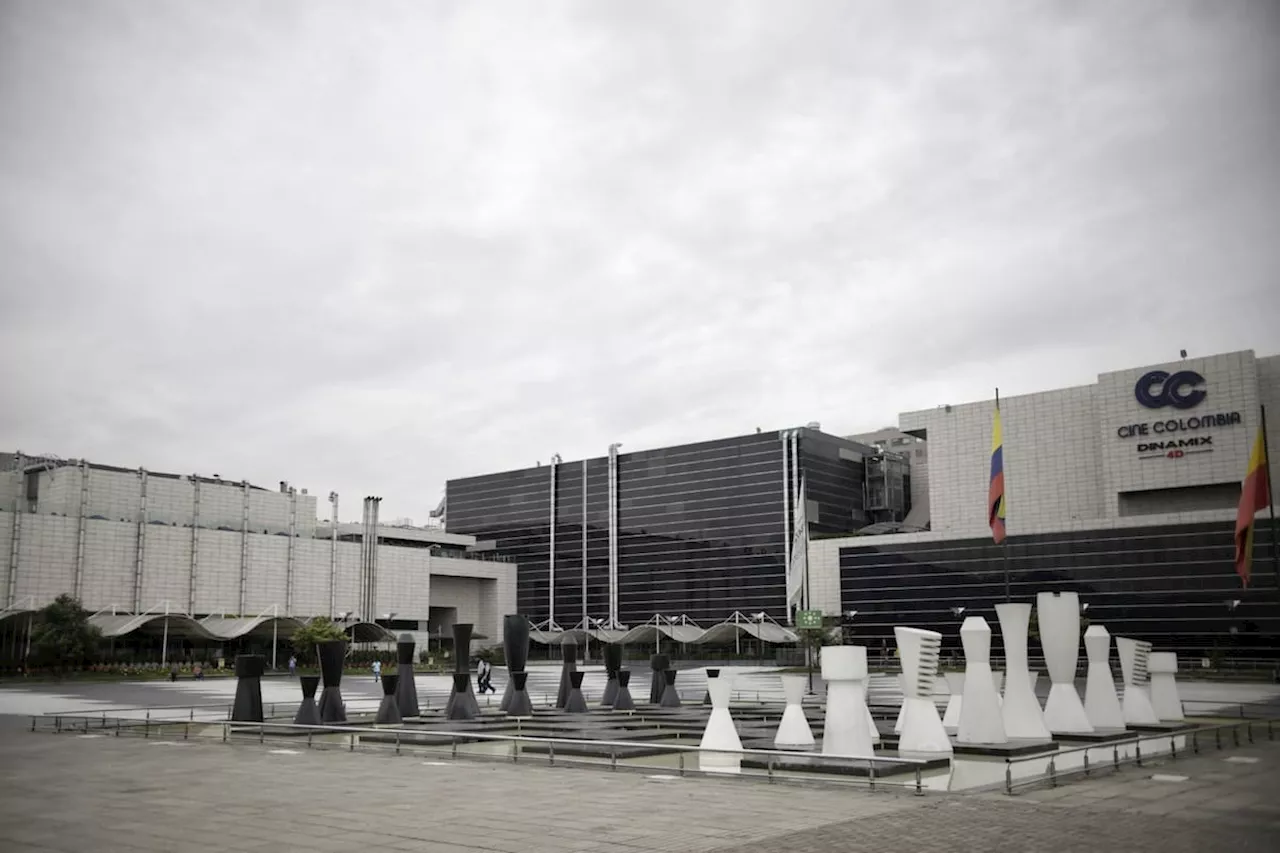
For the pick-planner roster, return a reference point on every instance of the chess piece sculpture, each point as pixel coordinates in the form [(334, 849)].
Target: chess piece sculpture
[(720, 743), (515, 647), (1136, 704), (670, 698), (569, 665), (922, 732), (333, 654), (459, 708), (844, 728), (1100, 700), (248, 702), (1162, 667), (462, 692), (308, 713), (622, 701), (793, 729), (657, 665), (519, 704), (1020, 711), (575, 703), (955, 702), (389, 708), (406, 687), (1059, 621), (612, 663), (980, 715)]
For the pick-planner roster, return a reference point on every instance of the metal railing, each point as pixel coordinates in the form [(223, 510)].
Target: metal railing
[(778, 765), (1121, 755)]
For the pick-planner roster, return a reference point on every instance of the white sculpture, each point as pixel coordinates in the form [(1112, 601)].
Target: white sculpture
[(1100, 700), (793, 730), (1133, 666), (1060, 639), (844, 730), (922, 732), (980, 720), (997, 678), (951, 716), (902, 685), (1020, 709), (1163, 669), (720, 734), (1035, 682)]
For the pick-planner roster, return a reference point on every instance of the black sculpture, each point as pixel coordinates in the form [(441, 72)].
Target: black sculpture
[(308, 714), (459, 708), (569, 654), (520, 704), (657, 663), (575, 704), (670, 698), (612, 663), (515, 645), (623, 701), (389, 709), (462, 692), (407, 688), (333, 653), (711, 673), (248, 704)]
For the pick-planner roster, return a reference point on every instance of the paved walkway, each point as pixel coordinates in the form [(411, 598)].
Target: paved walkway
[(103, 794)]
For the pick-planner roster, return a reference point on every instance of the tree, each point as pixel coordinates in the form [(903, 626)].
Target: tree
[(62, 635), (318, 630), (813, 639)]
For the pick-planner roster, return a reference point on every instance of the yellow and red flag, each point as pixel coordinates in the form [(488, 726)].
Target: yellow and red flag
[(1254, 496)]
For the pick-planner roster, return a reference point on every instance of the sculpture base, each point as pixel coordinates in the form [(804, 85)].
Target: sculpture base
[(308, 713), (388, 712), (793, 730), (332, 708), (1064, 712), (922, 732)]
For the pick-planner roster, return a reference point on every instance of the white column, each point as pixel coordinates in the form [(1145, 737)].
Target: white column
[(1023, 718), (81, 532), (194, 568), (1163, 669), (1060, 639), (980, 718), (793, 729), (244, 545), (1136, 705), (140, 551), (922, 732), (1100, 700), (844, 728)]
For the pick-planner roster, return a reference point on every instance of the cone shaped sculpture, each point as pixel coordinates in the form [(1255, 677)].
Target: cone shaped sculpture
[(622, 700), (612, 663), (711, 672), (1162, 667), (333, 654), (1101, 703), (248, 703), (575, 704), (389, 708), (1020, 711), (406, 686), (720, 735), (793, 729), (459, 708), (1059, 622), (520, 704), (951, 716), (657, 665), (922, 732), (980, 717), (844, 728), (568, 665), (902, 708), (1136, 704), (670, 698), (308, 713), (515, 647)]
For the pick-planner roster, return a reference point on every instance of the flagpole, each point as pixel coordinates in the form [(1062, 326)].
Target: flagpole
[(1004, 546), (1271, 499)]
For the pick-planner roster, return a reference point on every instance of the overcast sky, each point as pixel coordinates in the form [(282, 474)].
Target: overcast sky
[(372, 246)]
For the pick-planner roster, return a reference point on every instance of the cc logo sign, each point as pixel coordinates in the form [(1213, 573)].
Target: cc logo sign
[(1158, 389)]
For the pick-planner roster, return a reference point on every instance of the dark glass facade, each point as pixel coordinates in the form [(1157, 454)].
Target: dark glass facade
[(701, 528), (1171, 585)]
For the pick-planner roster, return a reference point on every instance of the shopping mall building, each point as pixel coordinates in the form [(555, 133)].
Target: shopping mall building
[(1124, 490)]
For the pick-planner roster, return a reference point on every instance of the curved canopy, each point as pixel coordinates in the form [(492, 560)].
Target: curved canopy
[(368, 632), (179, 624), (221, 628), (230, 628), (761, 628)]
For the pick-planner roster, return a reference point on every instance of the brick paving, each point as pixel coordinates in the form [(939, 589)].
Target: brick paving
[(71, 793)]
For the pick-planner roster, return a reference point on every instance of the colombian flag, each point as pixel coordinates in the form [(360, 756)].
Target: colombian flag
[(995, 491), (1254, 495)]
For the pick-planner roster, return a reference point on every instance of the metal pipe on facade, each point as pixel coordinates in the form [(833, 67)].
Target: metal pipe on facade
[(140, 549), (786, 505), (796, 496), (195, 543), (15, 547), (551, 555), (613, 534), (373, 561), (289, 557), (362, 606), (244, 545), (333, 556), (584, 541), (82, 531)]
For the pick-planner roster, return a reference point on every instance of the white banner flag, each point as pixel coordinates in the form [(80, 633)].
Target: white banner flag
[(799, 567)]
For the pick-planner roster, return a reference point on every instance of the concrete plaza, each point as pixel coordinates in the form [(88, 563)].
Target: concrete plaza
[(105, 794)]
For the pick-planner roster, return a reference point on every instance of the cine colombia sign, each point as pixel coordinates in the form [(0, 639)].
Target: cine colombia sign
[(1168, 438)]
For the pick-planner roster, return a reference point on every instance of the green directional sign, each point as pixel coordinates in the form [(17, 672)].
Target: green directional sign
[(808, 618)]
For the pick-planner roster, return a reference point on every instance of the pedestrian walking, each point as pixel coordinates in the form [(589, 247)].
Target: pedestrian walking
[(293, 665), (377, 670)]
